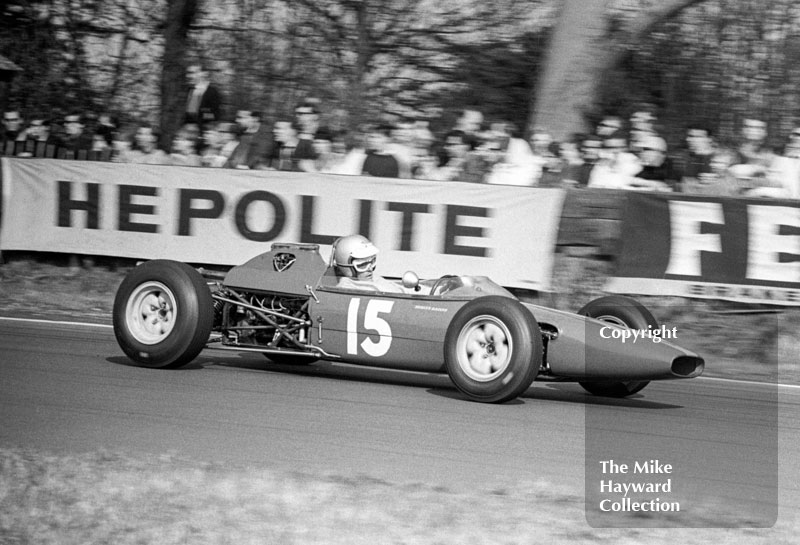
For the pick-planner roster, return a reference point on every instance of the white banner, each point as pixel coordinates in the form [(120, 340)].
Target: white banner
[(225, 217)]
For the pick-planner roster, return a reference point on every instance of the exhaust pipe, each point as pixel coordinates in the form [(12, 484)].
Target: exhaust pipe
[(688, 366)]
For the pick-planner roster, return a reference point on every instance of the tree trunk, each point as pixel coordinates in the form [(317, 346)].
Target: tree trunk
[(363, 55), (579, 55), (174, 89), (573, 65)]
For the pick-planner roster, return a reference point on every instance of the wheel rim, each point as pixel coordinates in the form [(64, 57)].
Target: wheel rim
[(613, 320), (484, 348), (151, 312)]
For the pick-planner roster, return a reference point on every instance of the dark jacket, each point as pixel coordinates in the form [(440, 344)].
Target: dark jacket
[(209, 109)]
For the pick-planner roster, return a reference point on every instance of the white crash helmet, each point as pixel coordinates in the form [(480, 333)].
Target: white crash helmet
[(354, 256)]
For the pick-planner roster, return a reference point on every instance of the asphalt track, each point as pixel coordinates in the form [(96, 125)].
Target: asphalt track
[(67, 388)]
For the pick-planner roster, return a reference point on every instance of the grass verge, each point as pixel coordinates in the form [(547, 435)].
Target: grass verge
[(106, 498)]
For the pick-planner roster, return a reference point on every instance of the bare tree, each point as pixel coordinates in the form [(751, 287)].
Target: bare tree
[(179, 18), (582, 51), (381, 56)]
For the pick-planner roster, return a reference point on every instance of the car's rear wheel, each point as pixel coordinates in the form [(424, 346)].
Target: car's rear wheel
[(163, 314), (624, 312), (493, 349)]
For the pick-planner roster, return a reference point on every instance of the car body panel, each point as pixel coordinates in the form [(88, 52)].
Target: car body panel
[(383, 329), (286, 269), (407, 331), (580, 351)]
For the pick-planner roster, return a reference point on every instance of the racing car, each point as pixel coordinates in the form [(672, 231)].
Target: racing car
[(286, 304)]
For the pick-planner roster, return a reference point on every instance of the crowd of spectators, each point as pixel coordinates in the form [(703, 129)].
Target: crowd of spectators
[(619, 154)]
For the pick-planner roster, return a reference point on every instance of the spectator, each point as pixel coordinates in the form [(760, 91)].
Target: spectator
[(609, 126), (99, 143), (338, 123), (540, 141), (330, 150), (307, 123), (147, 151), (545, 154), (571, 161), (754, 161), (106, 127), (255, 142), (340, 144), (204, 103), (12, 130), (219, 144), (379, 161), (792, 148), (642, 126), (700, 150), (212, 144), (123, 146), (183, 148), (229, 136), (491, 149), (470, 123), (617, 167), (352, 162), (658, 171), (753, 156), (77, 139), (452, 167), (591, 149), (643, 120), (783, 174), (40, 131), (285, 135), (401, 146), (718, 180), (422, 160), (517, 165)]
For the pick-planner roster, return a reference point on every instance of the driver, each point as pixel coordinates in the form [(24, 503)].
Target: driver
[(353, 258)]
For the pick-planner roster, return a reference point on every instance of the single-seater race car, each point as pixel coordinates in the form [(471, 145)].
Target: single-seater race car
[(286, 304)]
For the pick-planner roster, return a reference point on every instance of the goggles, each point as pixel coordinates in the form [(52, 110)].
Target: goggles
[(365, 264)]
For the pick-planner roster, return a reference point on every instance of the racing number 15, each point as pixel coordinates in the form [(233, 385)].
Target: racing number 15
[(372, 322)]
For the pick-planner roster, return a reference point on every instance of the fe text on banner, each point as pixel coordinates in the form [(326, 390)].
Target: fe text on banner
[(744, 250), (225, 217)]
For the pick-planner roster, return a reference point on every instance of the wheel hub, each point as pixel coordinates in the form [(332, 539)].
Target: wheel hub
[(151, 312), (484, 348)]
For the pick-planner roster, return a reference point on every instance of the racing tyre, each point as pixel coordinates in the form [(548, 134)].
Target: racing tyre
[(625, 312), (493, 349), (163, 314)]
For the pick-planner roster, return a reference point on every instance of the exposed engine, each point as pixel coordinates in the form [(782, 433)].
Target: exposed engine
[(261, 320)]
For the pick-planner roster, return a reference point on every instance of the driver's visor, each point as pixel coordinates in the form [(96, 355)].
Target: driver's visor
[(364, 264)]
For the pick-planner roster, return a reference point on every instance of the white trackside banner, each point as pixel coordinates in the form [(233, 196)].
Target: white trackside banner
[(225, 217)]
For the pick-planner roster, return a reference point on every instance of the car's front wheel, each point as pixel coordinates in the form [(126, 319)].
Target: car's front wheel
[(163, 314), (493, 349)]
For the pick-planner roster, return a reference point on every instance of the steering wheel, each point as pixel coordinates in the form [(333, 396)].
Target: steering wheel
[(445, 283)]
